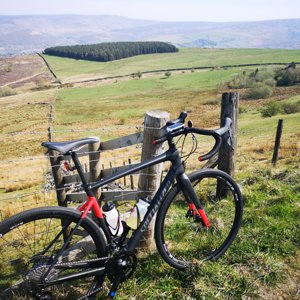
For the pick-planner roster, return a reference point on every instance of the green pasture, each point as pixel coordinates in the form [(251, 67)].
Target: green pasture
[(65, 68), (252, 124), (131, 99)]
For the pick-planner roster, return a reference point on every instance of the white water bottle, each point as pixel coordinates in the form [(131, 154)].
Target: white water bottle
[(113, 219), (137, 213)]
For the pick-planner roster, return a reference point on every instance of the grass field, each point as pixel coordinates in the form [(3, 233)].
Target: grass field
[(263, 263), (130, 99), (69, 69)]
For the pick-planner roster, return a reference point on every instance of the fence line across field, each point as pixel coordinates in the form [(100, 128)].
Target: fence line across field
[(95, 155)]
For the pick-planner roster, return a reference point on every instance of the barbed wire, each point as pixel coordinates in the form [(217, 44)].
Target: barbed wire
[(239, 132), (117, 127), (21, 196), (119, 157), (115, 159)]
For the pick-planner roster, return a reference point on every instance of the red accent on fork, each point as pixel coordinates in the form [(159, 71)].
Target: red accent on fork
[(193, 208), (91, 203), (204, 217)]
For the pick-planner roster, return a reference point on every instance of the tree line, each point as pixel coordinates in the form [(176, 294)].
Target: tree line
[(110, 51)]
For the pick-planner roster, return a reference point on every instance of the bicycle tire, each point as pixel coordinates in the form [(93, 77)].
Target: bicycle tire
[(24, 236), (184, 241)]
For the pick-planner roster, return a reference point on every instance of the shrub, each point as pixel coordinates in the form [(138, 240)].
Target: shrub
[(138, 74), (241, 81), (287, 77), (270, 110), (242, 110), (259, 90), (40, 84), (291, 108), (168, 74), (7, 91), (270, 82), (264, 76), (8, 68)]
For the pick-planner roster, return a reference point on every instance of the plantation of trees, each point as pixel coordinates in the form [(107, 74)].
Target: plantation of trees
[(110, 51)]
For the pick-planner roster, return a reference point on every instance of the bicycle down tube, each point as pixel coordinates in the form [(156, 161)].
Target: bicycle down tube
[(176, 172)]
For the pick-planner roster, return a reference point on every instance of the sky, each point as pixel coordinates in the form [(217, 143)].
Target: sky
[(162, 10)]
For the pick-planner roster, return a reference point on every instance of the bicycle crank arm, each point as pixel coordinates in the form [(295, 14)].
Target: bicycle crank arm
[(117, 281)]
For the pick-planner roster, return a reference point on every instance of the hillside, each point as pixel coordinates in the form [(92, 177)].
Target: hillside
[(27, 34), (263, 262)]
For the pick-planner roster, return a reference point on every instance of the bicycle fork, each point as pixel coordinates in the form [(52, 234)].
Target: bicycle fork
[(195, 206)]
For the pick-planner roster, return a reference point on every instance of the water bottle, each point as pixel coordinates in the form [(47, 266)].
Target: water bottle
[(137, 213), (112, 218)]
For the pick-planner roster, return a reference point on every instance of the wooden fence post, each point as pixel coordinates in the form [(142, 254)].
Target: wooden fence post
[(59, 184), (51, 120), (277, 142), (131, 177), (226, 161), (94, 163), (229, 109), (58, 178), (149, 181)]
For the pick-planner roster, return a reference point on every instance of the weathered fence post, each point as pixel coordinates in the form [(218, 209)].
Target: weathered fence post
[(229, 109), (94, 163), (51, 120), (277, 142), (149, 180), (59, 183), (58, 178), (131, 177), (226, 161)]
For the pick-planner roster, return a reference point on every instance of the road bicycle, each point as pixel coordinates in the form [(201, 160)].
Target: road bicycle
[(66, 253)]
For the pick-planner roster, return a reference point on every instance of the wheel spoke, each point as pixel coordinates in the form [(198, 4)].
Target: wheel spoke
[(29, 247), (181, 236)]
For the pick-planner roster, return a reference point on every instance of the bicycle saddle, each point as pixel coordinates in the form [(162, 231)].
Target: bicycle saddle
[(64, 147)]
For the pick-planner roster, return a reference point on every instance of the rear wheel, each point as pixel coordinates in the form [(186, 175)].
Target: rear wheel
[(181, 238), (28, 243)]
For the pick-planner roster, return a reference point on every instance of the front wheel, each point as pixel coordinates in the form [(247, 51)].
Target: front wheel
[(181, 237), (31, 240)]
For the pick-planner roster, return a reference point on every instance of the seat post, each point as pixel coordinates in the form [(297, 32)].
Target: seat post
[(79, 168)]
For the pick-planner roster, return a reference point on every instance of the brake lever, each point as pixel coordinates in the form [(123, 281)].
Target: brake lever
[(229, 139)]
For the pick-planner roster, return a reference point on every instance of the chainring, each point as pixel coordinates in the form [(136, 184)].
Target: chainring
[(125, 262)]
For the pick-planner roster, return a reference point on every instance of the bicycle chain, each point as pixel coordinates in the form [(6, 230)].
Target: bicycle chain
[(76, 262), (87, 261)]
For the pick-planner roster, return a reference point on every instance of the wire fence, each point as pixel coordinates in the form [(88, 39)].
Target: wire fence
[(23, 179)]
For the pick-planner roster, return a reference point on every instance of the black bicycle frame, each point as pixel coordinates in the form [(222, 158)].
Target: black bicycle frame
[(176, 171)]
